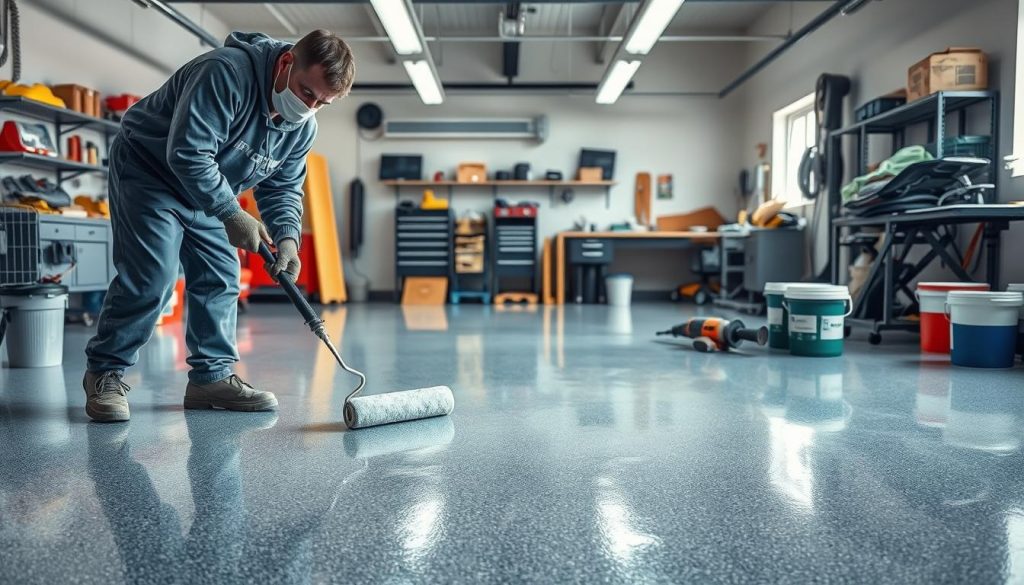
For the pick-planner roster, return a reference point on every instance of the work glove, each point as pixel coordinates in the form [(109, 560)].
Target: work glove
[(245, 231), (287, 260)]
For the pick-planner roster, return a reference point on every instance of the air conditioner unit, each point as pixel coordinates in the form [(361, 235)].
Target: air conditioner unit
[(525, 128)]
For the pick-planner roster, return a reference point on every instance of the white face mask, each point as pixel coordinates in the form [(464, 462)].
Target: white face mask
[(289, 105)]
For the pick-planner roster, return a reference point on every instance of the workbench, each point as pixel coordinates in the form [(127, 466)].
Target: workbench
[(901, 232), (612, 240)]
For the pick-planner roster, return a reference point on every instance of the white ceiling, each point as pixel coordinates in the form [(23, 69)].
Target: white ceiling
[(481, 19)]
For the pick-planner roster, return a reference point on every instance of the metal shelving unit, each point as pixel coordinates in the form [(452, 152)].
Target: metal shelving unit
[(64, 121), (933, 110)]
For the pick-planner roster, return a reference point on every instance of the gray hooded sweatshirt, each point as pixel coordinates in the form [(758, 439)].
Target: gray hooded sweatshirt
[(206, 136)]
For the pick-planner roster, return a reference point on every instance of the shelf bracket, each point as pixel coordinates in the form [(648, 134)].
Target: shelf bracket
[(63, 129), (63, 176)]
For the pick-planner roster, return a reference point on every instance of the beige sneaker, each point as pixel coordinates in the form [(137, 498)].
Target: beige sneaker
[(106, 396), (231, 393)]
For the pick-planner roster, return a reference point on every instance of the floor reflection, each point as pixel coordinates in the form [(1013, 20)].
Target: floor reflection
[(984, 413)]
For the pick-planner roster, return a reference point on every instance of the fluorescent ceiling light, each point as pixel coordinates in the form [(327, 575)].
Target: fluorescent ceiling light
[(397, 20), (649, 25), (425, 81), (617, 79)]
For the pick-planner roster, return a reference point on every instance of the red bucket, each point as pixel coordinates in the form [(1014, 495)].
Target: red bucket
[(934, 325)]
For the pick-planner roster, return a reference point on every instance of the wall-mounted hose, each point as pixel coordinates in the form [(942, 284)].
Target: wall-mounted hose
[(10, 36)]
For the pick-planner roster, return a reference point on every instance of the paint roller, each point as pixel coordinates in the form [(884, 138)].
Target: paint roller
[(378, 409)]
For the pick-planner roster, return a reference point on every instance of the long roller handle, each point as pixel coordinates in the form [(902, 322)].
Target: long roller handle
[(288, 286)]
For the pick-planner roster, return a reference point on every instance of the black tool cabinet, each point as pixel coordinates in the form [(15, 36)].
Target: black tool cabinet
[(515, 247), (423, 244)]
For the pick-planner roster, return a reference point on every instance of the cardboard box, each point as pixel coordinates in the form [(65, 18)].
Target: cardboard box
[(591, 174), (956, 68), (471, 173)]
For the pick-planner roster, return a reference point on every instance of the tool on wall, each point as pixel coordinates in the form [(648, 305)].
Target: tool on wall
[(820, 166), (642, 200), (10, 37), (717, 334), (379, 409)]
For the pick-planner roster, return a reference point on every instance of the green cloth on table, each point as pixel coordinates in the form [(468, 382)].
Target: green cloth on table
[(890, 167)]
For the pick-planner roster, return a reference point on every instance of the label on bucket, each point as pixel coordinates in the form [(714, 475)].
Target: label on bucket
[(831, 327), (774, 316), (803, 324)]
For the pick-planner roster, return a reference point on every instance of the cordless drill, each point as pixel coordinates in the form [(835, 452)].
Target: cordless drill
[(717, 334)]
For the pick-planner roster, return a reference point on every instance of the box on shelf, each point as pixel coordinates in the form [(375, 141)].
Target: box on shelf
[(955, 69), (471, 172), (79, 98), (469, 263), (591, 174)]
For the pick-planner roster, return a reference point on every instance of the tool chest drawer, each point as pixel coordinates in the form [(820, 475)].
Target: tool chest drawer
[(423, 242), (589, 251)]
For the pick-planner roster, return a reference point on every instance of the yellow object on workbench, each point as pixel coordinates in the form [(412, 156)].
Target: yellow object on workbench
[(431, 202)]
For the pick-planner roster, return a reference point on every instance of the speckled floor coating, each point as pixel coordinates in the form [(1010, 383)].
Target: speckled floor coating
[(580, 450)]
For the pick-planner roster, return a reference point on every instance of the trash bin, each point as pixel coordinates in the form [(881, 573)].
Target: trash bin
[(620, 289), (32, 324)]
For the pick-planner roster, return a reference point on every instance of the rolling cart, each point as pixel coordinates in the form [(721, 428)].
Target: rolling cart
[(515, 251)]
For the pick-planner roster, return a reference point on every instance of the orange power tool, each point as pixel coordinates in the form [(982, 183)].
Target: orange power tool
[(717, 334)]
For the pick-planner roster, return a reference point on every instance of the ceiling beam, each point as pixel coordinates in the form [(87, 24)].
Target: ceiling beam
[(610, 15), (398, 18), (649, 19), (281, 18), (387, 52)]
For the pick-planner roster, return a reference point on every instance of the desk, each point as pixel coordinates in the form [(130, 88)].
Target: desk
[(676, 240), (915, 228)]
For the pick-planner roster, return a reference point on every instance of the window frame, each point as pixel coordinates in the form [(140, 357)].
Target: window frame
[(1015, 162), (783, 185)]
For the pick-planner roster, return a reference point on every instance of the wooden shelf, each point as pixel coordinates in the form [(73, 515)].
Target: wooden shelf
[(409, 183)]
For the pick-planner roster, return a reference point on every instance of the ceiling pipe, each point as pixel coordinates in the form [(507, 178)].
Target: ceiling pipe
[(816, 23), (472, 1), (181, 20), (500, 86), (580, 38)]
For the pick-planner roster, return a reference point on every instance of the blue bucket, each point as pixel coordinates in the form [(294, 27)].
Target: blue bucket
[(984, 328)]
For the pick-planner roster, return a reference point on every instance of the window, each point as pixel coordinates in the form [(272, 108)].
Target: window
[(794, 129), (1016, 159)]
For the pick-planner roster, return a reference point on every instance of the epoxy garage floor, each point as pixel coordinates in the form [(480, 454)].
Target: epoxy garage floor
[(581, 449)]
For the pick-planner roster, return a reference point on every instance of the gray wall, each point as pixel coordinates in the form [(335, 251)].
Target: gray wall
[(875, 47)]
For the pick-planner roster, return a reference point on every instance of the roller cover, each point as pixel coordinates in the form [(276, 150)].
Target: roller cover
[(382, 409), (432, 433)]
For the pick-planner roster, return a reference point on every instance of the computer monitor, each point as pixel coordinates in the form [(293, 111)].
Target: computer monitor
[(599, 158), (401, 166)]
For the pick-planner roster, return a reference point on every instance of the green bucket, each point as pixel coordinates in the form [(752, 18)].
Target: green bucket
[(817, 314), (778, 317)]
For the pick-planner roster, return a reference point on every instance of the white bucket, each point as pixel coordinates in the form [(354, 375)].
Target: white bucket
[(34, 316), (620, 289), (984, 328)]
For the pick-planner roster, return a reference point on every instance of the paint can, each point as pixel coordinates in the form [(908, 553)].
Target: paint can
[(778, 317), (984, 328), (817, 316), (1020, 319), (931, 297)]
